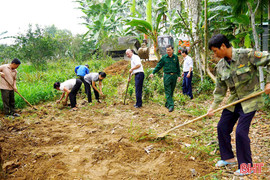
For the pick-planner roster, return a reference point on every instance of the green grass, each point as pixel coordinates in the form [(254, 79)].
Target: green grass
[(37, 86)]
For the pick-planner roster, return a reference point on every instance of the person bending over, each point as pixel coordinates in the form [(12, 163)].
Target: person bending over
[(91, 79), (70, 88)]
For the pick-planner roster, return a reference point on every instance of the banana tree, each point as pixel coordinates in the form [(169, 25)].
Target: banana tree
[(149, 11), (151, 29), (103, 19), (152, 32)]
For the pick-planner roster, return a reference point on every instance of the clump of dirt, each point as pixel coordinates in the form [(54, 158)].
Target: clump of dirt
[(120, 67), (149, 64), (123, 66)]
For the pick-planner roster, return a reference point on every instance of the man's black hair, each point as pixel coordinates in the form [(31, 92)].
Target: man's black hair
[(87, 66), (15, 61), (56, 85), (169, 46), (185, 51), (103, 74), (218, 40)]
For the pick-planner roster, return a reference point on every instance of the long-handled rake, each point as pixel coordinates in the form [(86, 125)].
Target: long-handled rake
[(216, 110)]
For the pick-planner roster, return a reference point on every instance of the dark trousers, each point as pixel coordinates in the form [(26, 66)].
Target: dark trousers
[(139, 78), (225, 127), (169, 86), (73, 93), (8, 101), (88, 88), (187, 89)]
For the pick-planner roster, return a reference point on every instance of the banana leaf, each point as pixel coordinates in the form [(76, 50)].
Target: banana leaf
[(142, 23)]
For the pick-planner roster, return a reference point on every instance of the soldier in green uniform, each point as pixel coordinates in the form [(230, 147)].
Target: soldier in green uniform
[(238, 72), (171, 70)]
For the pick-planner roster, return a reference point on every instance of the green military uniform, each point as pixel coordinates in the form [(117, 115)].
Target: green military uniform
[(171, 71), (241, 77)]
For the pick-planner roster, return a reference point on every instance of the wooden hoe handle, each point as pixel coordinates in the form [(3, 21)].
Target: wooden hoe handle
[(127, 89), (20, 95), (216, 110)]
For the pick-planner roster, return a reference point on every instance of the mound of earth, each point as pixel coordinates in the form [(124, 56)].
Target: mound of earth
[(123, 66)]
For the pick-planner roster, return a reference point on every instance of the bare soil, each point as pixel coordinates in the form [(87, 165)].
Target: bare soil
[(96, 142), (122, 67), (115, 141)]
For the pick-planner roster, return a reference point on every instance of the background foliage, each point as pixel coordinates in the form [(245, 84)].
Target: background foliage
[(50, 54)]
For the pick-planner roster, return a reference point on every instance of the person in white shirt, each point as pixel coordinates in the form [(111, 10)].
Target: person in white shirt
[(70, 88), (137, 70), (91, 79), (187, 73)]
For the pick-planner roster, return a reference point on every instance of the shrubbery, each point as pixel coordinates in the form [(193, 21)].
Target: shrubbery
[(41, 45), (37, 86)]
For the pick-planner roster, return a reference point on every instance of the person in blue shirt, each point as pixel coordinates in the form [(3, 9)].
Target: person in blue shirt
[(81, 71)]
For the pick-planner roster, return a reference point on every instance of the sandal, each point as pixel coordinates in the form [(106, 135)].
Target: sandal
[(238, 173), (74, 109), (15, 115), (223, 163)]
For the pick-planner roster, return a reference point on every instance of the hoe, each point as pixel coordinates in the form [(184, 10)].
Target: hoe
[(216, 110), (21, 95)]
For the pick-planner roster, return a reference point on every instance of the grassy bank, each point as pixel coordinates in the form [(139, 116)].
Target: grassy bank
[(37, 85)]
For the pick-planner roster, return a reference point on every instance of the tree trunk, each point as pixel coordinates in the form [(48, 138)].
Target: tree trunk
[(269, 26), (194, 17), (207, 71), (255, 35), (256, 40), (156, 49), (205, 37)]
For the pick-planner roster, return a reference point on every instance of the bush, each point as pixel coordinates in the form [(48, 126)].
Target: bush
[(207, 86), (266, 101), (152, 86)]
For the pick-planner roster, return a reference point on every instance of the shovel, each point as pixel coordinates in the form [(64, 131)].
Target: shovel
[(127, 89), (216, 110), (20, 95)]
